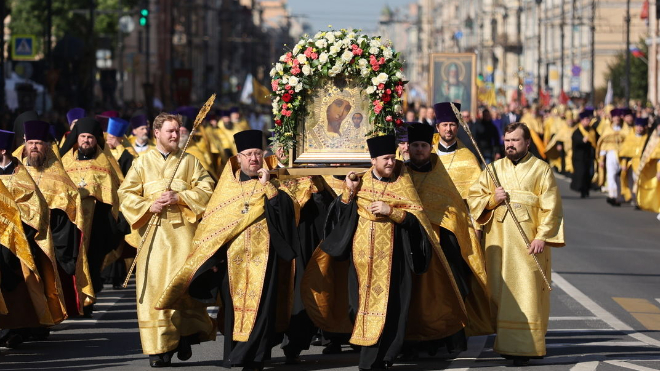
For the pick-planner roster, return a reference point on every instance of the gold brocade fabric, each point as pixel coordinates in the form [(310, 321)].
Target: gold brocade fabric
[(167, 246), (61, 193), (463, 168), (226, 221), (520, 300), (35, 213), (95, 178), (590, 135), (648, 186), (374, 238), (11, 229), (445, 208), (110, 155), (610, 140), (630, 155), (532, 122), (201, 155), (336, 186), (562, 133)]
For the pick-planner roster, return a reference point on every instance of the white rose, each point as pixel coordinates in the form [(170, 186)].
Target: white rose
[(335, 70), (299, 87), (380, 79), (347, 56), (337, 33), (273, 71), (350, 36), (365, 72), (360, 40), (321, 43), (285, 79), (398, 108), (306, 70), (387, 53), (375, 43), (279, 67), (296, 49), (294, 80), (331, 37), (362, 63), (323, 58), (371, 89), (334, 49), (282, 58), (399, 75), (276, 108), (318, 35), (373, 50), (302, 58)]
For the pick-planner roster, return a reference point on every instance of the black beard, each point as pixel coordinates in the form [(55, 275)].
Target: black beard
[(87, 152)]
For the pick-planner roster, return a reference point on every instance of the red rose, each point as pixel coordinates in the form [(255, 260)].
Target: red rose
[(388, 91), (399, 90), (399, 122), (381, 86), (387, 98), (278, 122), (287, 87), (290, 91), (286, 97), (382, 60)]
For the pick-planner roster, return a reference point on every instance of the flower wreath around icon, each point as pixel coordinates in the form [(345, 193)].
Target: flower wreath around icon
[(332, 54)]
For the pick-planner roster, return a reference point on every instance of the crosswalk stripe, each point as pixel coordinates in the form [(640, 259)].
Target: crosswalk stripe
[(630, 366), (575, 318), (585, 366), (599, 343)]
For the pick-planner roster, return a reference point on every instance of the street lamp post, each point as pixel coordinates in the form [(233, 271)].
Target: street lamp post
[(538, 50), (627, 77)]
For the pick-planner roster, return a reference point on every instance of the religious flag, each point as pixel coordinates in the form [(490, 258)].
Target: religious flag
[(609, 96)]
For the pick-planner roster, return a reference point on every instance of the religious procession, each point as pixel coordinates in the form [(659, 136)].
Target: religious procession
[(330, 213)]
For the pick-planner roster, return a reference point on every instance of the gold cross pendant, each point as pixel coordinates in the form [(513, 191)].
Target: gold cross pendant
[(82, 183)]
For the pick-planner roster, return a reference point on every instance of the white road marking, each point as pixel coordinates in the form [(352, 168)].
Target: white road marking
[(630, 366), (585, 366), (600, 312), (575, 318), (599, 343)]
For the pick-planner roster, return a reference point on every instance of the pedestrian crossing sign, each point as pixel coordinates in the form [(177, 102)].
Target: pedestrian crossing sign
[(23, 47)]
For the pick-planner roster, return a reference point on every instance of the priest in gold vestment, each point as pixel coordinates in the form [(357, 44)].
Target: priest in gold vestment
[(379, 226), (143, 193), (612, 135), (630, 154), (242, 257), (648, 180), (90, 169), (520, 303), (66, 216), (458, 160), (49, 304)]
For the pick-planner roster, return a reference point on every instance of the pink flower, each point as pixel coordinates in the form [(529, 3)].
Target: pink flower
[(381, 60), (295, 70), (399, 90), (290, 91), (284, 106), (274, 84), (287, 87), (287, 113), (388, 91), (314, 56), (287, 57), (354, 46), (388, 118), (295, 62), (357, 51), (375, 67), (308, 52), (378, 106), (381, 86)]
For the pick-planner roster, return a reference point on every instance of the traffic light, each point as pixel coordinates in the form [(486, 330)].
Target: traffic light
[(144, 16)]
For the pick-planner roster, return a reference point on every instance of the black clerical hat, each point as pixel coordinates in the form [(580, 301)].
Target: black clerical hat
[(444, 112), (380, 146), (248, 139), (36, 130), (420, 133)]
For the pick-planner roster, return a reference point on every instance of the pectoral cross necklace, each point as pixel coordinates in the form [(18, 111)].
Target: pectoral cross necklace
[(246, 203)]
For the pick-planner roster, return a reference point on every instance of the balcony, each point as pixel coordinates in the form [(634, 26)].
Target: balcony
[(511, 44)]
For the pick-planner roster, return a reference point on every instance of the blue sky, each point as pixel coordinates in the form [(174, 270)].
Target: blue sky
[(362, 14)]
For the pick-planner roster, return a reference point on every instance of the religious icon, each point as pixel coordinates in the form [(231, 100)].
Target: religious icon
[(453, 79), (334, 129)]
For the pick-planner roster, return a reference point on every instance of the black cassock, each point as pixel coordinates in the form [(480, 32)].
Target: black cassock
[(583, 163), (412, 255), (207, 285)]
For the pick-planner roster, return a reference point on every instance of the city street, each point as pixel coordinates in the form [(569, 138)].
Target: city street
[(605, 311)]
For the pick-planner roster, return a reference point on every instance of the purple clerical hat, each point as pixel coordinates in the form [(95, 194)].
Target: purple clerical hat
[(444, 112), (36, 130), (139, 120), (75, 114), (6, 140)]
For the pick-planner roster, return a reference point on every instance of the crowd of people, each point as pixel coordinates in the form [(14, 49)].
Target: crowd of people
[(405, 257), (609, 149)]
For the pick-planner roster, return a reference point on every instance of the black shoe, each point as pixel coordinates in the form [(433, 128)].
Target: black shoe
[(292, 358), (332, 348), (159, 362), (184, 351), (520, 361), (13, 341), (87, 311), (317, 341)]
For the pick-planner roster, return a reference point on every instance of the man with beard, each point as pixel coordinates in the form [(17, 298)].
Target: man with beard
[(379, 226), (146, 191), (584, 147), (452, 227), (402, 151), (37, 302), (607, 150), (520, 302), (88, 167), (66, 216), (458, 160), (243, 251), (140, 139)]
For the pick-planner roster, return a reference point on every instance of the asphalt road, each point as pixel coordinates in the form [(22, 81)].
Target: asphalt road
[(605, 311)]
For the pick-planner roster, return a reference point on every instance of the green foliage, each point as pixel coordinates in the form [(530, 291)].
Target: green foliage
[(616, 72), (69, 17)]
